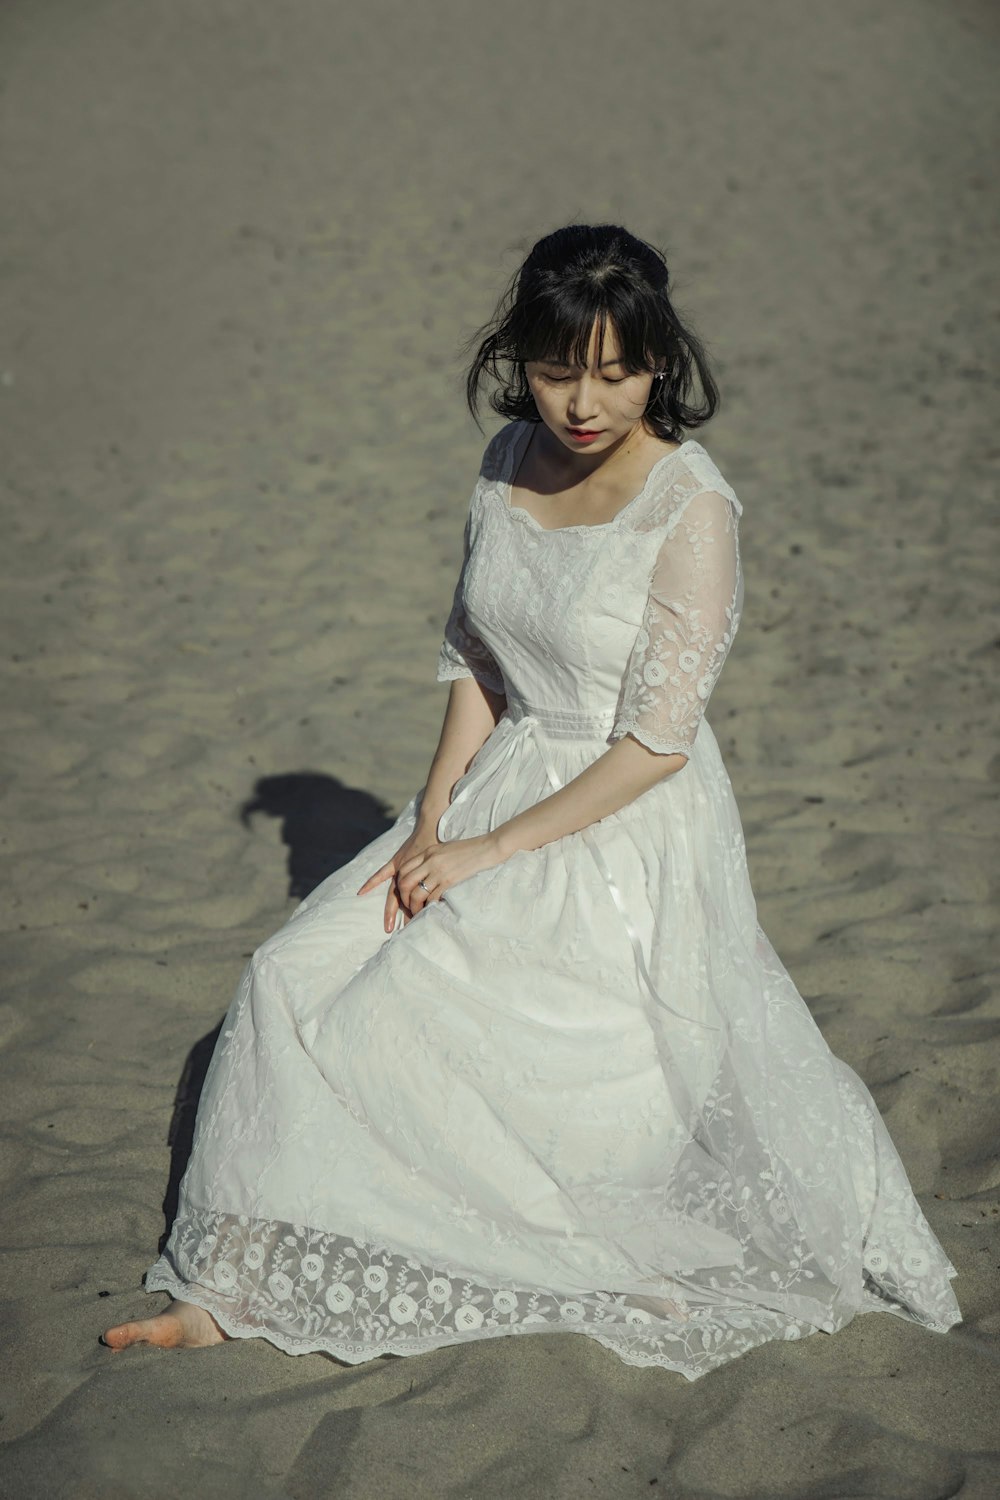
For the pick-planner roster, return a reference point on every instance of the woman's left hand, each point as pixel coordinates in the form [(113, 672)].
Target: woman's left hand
[(444, 866)]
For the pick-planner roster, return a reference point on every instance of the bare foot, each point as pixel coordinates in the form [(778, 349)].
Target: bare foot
[(182, 1326)]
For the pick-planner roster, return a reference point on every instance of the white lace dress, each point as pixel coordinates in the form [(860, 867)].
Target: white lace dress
[(580, 1092)]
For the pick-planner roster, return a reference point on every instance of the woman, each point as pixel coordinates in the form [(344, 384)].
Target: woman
[(554, 1077)]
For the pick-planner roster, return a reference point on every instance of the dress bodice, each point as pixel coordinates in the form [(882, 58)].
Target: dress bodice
[(618, 628)]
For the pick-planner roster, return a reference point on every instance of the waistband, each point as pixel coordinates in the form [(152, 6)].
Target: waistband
[(563, 723)]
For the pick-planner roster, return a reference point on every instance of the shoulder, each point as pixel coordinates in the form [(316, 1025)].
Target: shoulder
[(494, 471), (495, 463), (705, 473), (688, 474)]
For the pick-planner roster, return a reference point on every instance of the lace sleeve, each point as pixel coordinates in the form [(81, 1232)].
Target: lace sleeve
[(462, 653), (691, 617)]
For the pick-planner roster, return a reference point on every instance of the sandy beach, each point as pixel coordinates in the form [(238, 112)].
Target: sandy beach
[(242, 245)]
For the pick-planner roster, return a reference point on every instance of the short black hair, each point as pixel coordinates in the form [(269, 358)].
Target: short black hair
[(572, 277)]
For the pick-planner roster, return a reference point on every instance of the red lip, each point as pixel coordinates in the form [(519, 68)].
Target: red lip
[(584, 431)]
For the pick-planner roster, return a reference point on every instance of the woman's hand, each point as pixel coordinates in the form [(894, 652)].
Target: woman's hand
[(422, 839), (439, 866)]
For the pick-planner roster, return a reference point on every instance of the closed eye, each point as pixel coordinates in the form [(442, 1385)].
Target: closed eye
[(561, 379)]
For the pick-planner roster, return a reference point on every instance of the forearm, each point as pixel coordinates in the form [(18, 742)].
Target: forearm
[(620, 775), (469, 719)]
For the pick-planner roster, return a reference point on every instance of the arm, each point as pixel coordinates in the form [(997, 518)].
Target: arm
[(475, 702), (691, 616), (463, 653), (469, 719), (619, 776)]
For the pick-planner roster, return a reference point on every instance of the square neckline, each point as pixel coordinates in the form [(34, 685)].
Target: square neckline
[(517, 456)]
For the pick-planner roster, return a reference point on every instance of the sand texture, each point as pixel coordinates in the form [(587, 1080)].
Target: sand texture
[(241, 245)]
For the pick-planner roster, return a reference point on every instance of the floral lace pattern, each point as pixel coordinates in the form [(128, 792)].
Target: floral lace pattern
[(691, 617), (323, 1293), (489, 1122)]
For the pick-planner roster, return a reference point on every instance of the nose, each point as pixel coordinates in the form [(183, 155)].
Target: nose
[(581, 401)]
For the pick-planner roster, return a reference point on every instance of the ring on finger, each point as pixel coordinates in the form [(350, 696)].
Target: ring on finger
[(424, 886)]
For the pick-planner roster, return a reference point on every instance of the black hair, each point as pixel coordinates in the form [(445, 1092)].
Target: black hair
[(547, 311)]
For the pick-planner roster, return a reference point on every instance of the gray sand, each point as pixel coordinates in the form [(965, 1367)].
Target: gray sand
[(243, 242)]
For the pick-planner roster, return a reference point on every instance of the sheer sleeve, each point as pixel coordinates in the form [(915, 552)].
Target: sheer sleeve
[(691, 617), (462, 653)]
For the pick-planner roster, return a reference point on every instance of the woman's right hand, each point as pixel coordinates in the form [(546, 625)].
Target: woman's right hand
[(421, 841)]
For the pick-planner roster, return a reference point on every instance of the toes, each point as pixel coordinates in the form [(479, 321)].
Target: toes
[(182, 1327), (163, 1331), (119, 1337)]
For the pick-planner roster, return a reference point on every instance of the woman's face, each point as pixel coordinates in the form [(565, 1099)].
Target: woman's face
[(594, 409)]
